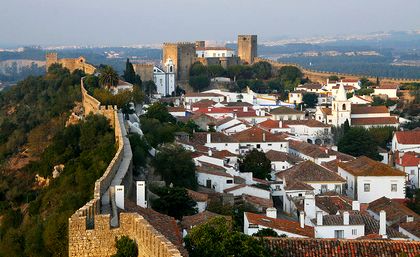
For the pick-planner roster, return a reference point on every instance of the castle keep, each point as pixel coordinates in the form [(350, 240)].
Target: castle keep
[(182, 55), (71, 64), (247, 48)]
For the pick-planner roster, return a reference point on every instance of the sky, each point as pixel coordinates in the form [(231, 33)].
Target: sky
[(130, 22)]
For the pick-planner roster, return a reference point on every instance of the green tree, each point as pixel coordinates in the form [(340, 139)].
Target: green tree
[(358, 141), (108, 77), (365, 83), (262, 70), (176, 166), (175, 202), (256, 162), (216, 70), (150, 87), (216, 238), (310, 99), (130, 75), (160, 112), (290, 74), (198, 69), (334, 78), (266, 232), (126, 247), (199, 82)]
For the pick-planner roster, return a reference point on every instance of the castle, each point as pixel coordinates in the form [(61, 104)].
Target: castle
[(71, 64)]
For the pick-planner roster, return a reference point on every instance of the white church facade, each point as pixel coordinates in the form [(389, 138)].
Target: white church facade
[(164, 78)]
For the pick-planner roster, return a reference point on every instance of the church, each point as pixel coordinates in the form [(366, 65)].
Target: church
[(365, 116), (164, 78)]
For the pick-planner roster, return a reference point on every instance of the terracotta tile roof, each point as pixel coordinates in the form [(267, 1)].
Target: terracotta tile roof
[(326, 111), (204, 103), (176, 109), (364, 166), (276, 156), (371, 225), (213, 110), (306, 247), (310, 86), (297, 185), (395, 212), (375, 121), (412, 227), (308, 123), (331, 165), (189, 222), (197, 196), (270, 124), (311, 150), (280, 224), (258, 201), (332, 202), (363, 109), (411, 137), (238, 104), (223, 120), (202, 95), (165, 224), (234, 188), (389, 86), (256, 134), (207, 168), (346, 87), (350, 80), (198, 116), (364, 99), (309, 171), (216, 137), (222, 154), (285, 110), (409, 159)]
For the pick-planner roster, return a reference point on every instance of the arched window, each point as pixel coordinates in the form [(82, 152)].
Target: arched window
[(344, 107), (170, 68)]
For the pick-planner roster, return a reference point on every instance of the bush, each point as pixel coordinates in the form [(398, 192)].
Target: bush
[(126, 247)]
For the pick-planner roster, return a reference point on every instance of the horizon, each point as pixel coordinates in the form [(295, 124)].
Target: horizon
[(108, 23)]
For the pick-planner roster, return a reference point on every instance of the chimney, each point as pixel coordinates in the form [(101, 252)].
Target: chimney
[(309, 206), (263, 136), (245, 108), (271, 212), (209, 109), (326, 150), (141, 194), (355, 206), (319, 218), (382, 224), (210, 152), (410, 218), (280, 124), (208, 138), (346, 218), (302, 219), (119, 196)]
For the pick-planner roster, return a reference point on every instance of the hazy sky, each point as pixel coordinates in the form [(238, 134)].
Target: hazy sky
[(125, 22)]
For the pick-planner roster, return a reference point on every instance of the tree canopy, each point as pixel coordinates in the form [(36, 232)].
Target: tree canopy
[(126, 247), (175, 202), (176, 166), (262, 70), (108, 77), (358, 141), (256, 162), (310, 99), (130, 75)]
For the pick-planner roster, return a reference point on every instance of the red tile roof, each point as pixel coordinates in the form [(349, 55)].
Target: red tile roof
[(216, 137), (350, 80), (213, 110), (364, 166), (305, 247), (332, 202), (389, 86), (326, 111), (282, 110), (309, 171), (276, 156), (363, 109), (234, 188), (270, 124), (256, 134), (411, 137), (311, 150), (409, 159), (308, 123), (257, 201), (412, 227), (395, 212), (202, 95), (189, 222), (280, 224), (197, 196), (375, 121), (207, 168)]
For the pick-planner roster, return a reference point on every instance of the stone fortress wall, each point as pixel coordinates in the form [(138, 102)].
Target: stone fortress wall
[(247, 48), (145, 70), (92, 231), (70, 63), (183, 57), (321, 76)]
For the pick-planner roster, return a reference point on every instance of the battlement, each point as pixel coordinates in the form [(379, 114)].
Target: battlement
[(183, 43), (70, 63)]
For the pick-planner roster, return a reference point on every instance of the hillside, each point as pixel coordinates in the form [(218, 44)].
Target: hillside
[(34, 213)]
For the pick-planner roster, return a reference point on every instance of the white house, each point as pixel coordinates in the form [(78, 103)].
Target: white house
[(295, 97), (319, 178), (368, 180), (311, 131), (214, 177), (357, 99), (315, 153), (281, 160), (286, 113), (257, 138), (190, 98), (388, 90), (164, 78), (406, 141), (311, 88), (209, 52), (248, 190), (409, 162), (255, 222)]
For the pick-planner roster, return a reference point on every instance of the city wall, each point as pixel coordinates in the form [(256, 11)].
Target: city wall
[(321, 76), (70, 63), (90, 232)]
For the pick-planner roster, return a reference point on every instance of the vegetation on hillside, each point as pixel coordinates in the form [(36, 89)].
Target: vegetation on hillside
[(256, 162)]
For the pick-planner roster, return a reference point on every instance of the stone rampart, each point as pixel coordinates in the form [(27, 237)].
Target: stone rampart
[(70, 63), (90, 231), (321, 76)]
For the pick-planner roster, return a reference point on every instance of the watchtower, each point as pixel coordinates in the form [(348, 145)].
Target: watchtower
[(50, 59), (247, 48), (182, 55)]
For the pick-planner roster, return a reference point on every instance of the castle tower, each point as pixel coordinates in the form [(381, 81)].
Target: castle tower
[(247, 48), (183, 57), (50, 59), (341, 108)]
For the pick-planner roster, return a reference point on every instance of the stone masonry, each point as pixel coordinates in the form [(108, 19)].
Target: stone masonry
[(183, 56), (70, 63), (247, 48)]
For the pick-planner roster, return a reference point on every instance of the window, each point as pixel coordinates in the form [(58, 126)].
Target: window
[(324, 188), (253, 226), (367, 187), (354, 232), (412, 172), (344, 107), (229, 181), (278, 188), (270, 144), (339, 233), (300, 194), (338, 189), (393, 187), (258, 146)]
